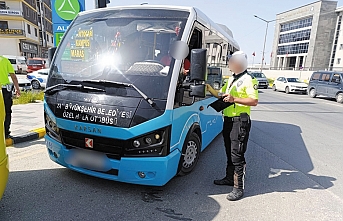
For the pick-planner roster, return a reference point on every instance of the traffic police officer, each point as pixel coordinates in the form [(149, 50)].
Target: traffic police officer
[(6, 69), (241, 90)]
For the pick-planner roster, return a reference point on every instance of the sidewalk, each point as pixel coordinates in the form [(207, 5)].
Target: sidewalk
[(27, 123)]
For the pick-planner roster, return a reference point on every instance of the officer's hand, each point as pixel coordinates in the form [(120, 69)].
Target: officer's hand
[(17, 93), (228, 98)]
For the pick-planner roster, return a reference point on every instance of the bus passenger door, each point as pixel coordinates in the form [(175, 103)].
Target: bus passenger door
[(211, 122)]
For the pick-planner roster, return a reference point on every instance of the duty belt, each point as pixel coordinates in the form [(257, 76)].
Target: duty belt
[(234, 119)]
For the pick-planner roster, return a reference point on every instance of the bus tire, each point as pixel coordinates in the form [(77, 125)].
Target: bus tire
[(190, 154)]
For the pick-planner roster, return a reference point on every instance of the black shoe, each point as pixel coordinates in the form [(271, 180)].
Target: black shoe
[(223, 181), (236, 194)]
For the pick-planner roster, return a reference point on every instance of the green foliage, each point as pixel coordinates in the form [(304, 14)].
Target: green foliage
[(29, 97)]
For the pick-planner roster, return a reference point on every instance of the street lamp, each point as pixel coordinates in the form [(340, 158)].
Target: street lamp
[(265, 38)]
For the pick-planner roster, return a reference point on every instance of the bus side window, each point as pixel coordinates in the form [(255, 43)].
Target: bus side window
[(217, 51)]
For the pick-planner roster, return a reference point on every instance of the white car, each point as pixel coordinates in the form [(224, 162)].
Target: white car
[(38, 78), (24, 84), (289, 85)]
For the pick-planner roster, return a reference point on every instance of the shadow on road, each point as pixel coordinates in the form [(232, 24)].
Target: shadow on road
[(277, 157), (292, 170)]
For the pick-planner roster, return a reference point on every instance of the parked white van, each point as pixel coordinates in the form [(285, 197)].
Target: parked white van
[(18, 63)]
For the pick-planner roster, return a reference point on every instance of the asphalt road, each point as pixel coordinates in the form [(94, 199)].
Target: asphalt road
[(294, 173)]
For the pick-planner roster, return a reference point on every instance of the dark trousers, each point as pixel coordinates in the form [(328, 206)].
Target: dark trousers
[(235, 150), (8, 109)]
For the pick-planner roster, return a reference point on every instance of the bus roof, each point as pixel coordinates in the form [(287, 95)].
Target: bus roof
[(200, 16)]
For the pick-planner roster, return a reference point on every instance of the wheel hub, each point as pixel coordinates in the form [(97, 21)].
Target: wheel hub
[(190, 154)]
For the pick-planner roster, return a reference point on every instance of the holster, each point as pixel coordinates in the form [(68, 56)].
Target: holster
[(243, 127)]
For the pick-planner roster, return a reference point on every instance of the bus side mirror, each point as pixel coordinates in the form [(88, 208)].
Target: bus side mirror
[(197, 90), (198, 65), (51, 54)]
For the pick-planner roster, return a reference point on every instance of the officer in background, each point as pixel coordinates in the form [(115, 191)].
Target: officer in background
[(6, 69), (241, 90)]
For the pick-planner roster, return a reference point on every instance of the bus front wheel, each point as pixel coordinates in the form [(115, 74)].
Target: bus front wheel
[(190, 154)]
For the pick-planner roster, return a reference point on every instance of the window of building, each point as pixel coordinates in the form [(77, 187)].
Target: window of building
[(52, 39), (28, 29), (3, 5), (301, 48), (338, 61), (295, 36), (3, 25), (307, 22), (341, 47), (47, 37), (36, 32)]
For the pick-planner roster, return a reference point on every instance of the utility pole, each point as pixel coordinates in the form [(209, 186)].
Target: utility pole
[(265, 39)]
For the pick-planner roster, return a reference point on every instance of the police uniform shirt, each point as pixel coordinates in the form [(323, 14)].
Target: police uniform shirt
[(6, 68), (244, 87)]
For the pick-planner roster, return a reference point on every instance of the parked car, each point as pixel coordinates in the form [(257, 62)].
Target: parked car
[(289, 85), (35, 64), (3, 156), (24, 84), (38, 78), (261, 78), (326, 83), (18, 63)]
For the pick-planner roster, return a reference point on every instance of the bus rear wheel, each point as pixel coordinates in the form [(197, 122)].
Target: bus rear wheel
[(190, 154)]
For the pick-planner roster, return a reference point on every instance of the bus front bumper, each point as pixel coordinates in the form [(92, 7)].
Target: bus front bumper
[(152, 171), (4, 175)]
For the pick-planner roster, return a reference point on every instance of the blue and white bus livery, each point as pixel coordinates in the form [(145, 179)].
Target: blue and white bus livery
[(117, 104)]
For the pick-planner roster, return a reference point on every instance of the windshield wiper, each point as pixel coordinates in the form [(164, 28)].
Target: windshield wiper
[(145, 97), (59, 87)]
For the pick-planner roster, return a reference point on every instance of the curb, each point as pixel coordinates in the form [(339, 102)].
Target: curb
[(30, 136)]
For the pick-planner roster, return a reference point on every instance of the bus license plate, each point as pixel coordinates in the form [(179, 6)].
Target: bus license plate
[(88, 159)]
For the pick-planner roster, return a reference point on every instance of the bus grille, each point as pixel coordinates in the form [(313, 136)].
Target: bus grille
[(113, 148)]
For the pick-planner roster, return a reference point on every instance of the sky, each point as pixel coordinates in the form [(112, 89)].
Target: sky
[(238, 15)]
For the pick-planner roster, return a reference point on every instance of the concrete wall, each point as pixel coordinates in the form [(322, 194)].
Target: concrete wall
[(325, 34), (274, 74), (10, 46)]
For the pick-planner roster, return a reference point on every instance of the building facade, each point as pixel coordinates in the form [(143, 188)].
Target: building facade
[(336, 62), (304, 37), (25, 28)]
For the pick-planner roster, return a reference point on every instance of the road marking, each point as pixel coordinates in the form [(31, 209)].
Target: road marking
[(263, 107), (32, 153)]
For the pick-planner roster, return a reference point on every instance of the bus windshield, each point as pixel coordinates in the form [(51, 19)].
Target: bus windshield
[(126, 46)]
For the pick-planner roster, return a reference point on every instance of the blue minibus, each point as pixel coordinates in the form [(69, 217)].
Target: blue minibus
[(125, 97)]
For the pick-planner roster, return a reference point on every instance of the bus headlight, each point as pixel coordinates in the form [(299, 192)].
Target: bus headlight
[(51, 128), (136, 143), (155, 143)]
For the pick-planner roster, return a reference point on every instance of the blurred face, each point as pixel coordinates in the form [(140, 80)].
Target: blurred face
[(235, 66)]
